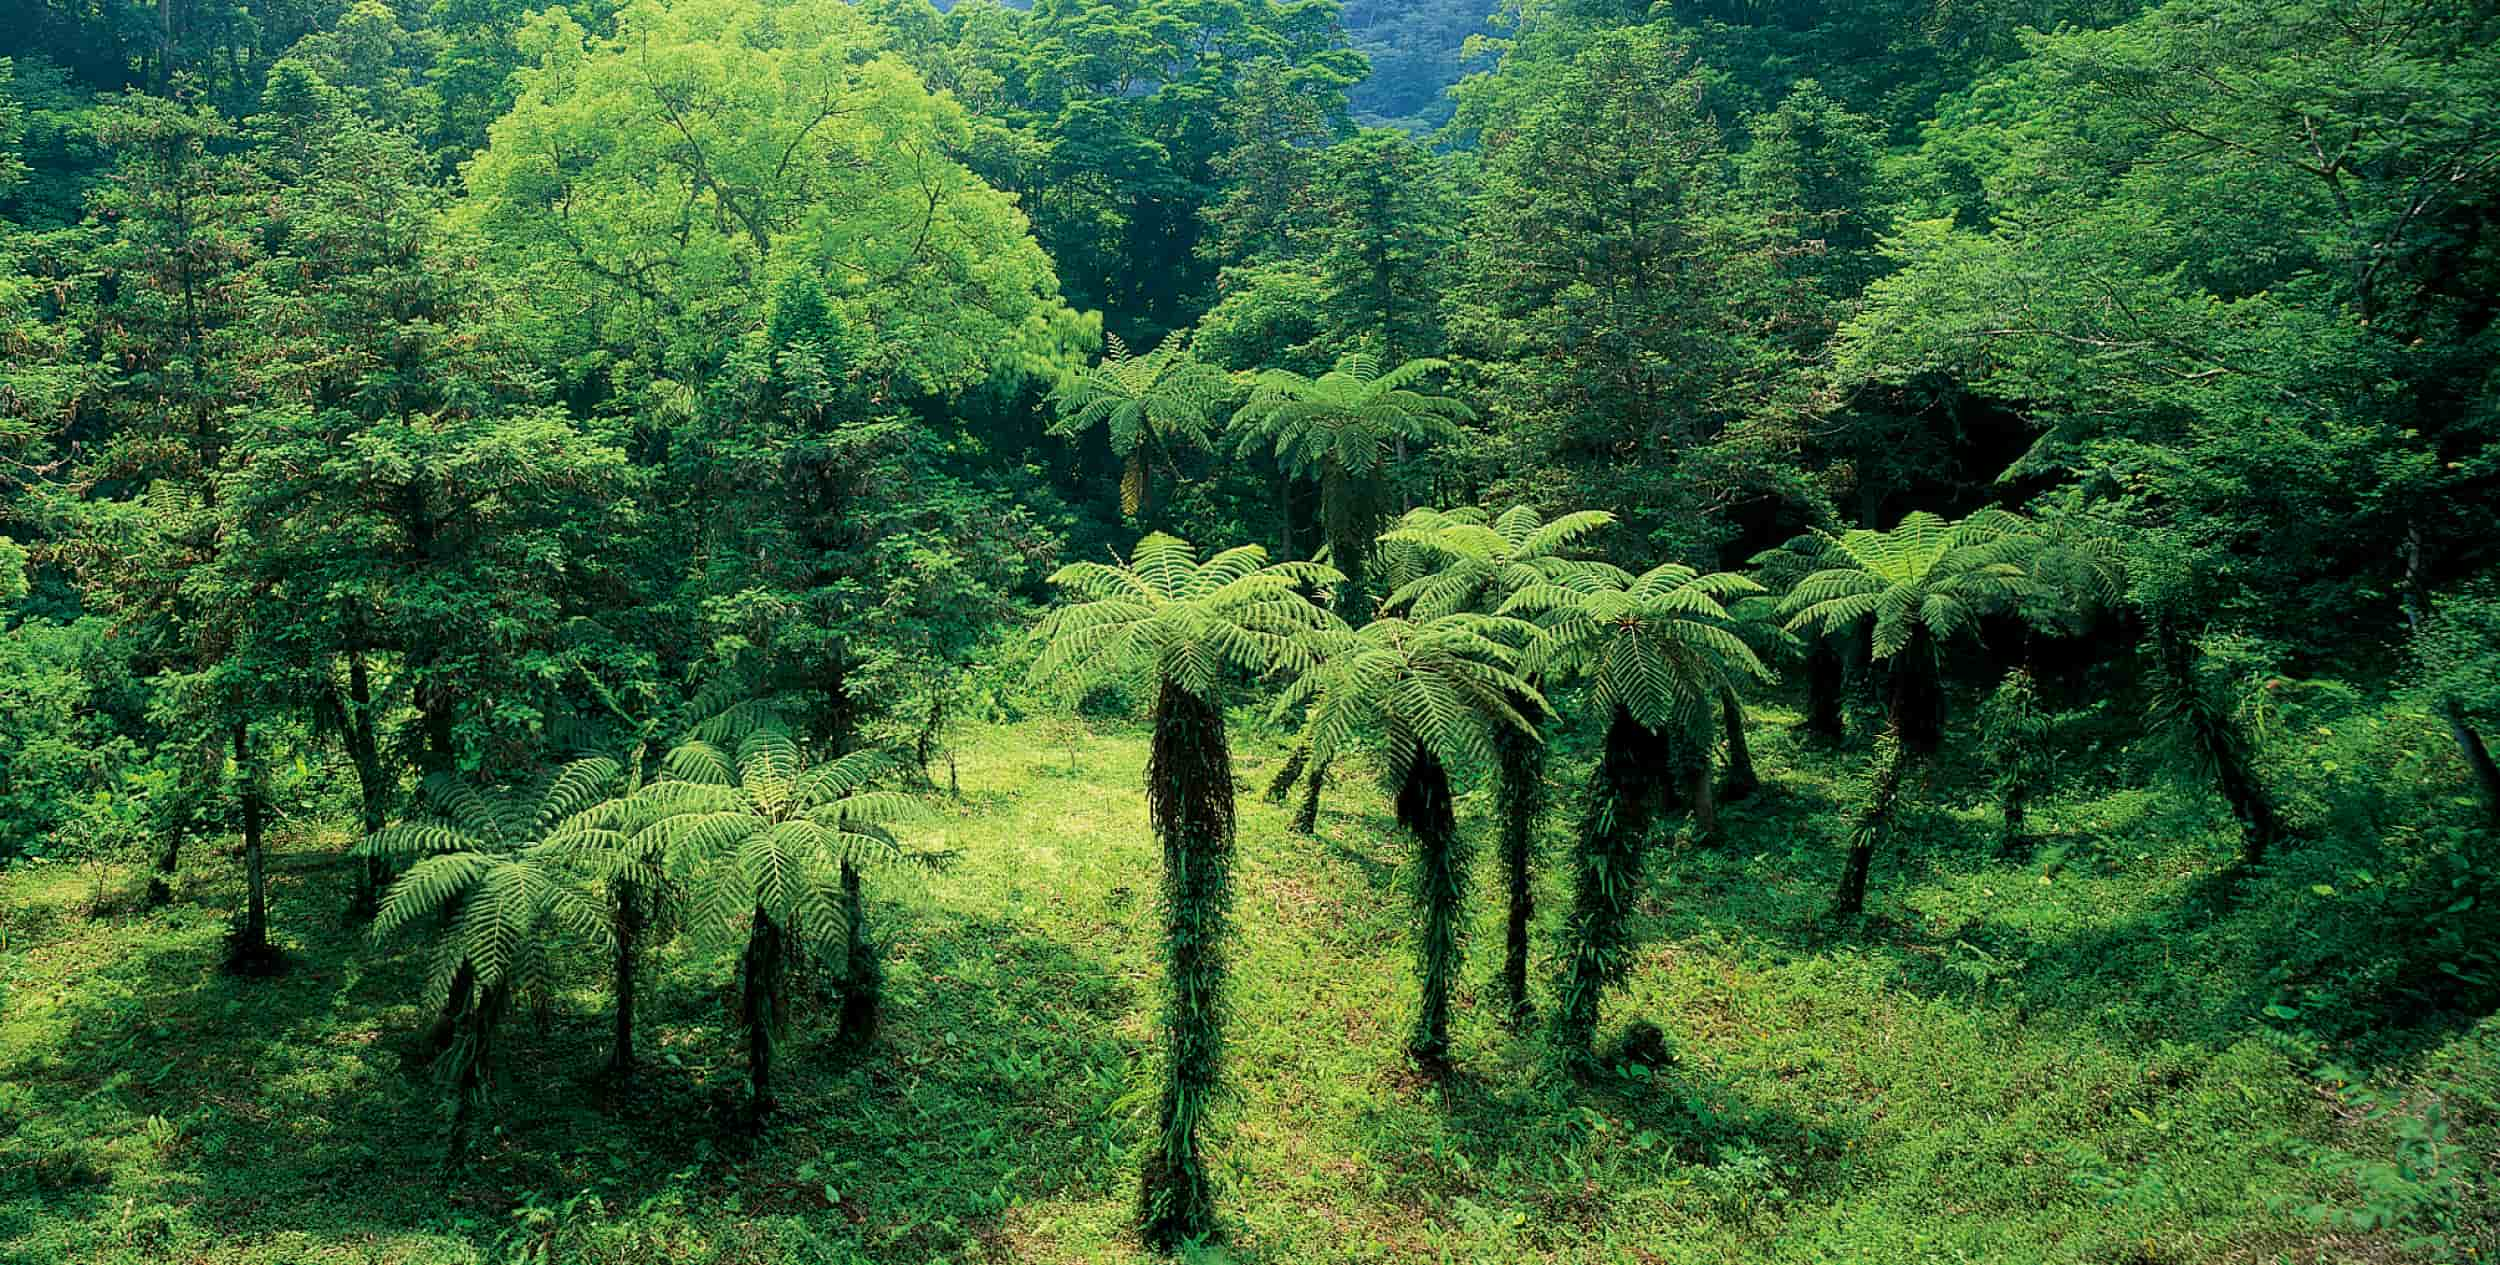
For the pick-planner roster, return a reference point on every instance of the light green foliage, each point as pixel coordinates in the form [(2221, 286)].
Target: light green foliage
[(1472, 559), (1442, 687), (498, 860), (1657, 646), (752, 826), (659, 185), (1925, 577), (1167, 617), (1341, 429)]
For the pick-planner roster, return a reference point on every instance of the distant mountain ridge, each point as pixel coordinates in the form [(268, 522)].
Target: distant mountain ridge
[(1414, 47)]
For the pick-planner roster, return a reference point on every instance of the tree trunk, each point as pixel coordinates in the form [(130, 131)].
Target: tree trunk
[(1284, 512), (2217, 740), (1281, 786), (1624, 800), (1306, 818), (1742, 781), (1916, 702), (863, 978), (446, 1026), (629, 928), (1827, 679), (1702, 793), (168, 858), (364, 749), (1424, 808), (252, 952), (2015, 805), (1523, 802), (1189, 788), (1136, 484), (1874, 823), (761, 979), (1344, 513), (2477, 756)]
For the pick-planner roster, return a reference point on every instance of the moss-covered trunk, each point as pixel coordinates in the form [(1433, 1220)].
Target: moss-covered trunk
[(2215, 736), (1522, 792), (863, 978), (1189, 788), (1625, 797), (629, 929), (1915, 698), (763, 974), (1873, 825), (1827, 681), (364, 750), (1741, 781), (1424, 807)]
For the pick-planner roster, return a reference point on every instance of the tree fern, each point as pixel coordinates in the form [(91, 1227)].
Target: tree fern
[(1341, 429), (1655, 652), (1164, 619), (1475, 559), (1152, 406), (498, 865), (1434, 695), (769, 844)]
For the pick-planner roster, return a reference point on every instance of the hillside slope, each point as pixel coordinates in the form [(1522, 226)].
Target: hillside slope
[(2059, 1061)]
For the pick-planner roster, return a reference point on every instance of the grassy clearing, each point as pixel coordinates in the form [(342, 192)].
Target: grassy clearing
[(2065, 1058)]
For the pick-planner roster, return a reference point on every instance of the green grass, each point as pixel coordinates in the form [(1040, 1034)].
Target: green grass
[(2061, 1059)]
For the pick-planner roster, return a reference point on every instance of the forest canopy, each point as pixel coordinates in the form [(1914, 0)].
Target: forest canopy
[(1292, 630)]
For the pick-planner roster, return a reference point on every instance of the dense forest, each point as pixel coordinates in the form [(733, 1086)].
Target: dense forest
[(1256, 630)]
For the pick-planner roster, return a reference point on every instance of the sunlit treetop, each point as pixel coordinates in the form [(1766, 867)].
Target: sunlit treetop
[(652, 189)]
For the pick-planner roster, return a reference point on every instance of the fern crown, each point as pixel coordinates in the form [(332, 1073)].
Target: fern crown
[(1659, 646), (1443, 562), (1347, 418), (1442, 686), (1164, 616)]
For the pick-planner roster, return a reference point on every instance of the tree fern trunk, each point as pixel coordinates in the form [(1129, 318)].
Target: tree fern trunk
[(168, 860), (1343, 514), (762, 978), (1917, 695), (1623, 803), (252, 952), (1523, 793), (1742, 781), (1281, 786), (629, 928), (1424, 808), (364, 750), (2477, 756), (1136, 484), (1189, 788), (863, 978), (1874, 822), (1306, 817), (2219, 744), (1827, 679)]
